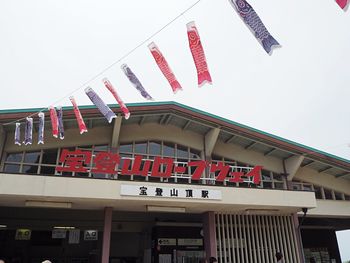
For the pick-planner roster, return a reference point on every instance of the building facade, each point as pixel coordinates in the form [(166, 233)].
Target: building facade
[(170, 184)]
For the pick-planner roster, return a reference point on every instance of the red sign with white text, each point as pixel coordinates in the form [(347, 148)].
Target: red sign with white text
[(161, 167)]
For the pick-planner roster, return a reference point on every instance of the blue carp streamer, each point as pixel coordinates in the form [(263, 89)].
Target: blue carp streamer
[(18, 133), (135, 82), (253, 21), (100, 104), (60, 122), (41, 127), (28, 131)]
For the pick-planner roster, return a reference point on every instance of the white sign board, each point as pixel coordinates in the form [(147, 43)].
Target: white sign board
[(90, 235), (190, 242), (59, 233), (170, 192), (74, 236), (167, 241), (164, 258)]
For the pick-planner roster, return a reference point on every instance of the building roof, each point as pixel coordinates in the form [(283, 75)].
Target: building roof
[(173, 113)]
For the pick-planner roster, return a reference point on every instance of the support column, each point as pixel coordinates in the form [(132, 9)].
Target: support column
[(116, 132), (106, 243), (2, 140), (209, 235), (299, 239)]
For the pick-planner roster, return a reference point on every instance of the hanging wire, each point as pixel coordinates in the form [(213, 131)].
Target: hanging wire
[(114, 63)]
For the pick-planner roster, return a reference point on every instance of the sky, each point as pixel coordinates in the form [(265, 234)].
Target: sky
[(51, 48)]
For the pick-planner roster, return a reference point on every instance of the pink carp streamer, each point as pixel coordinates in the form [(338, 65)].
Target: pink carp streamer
[(54, 121), (164, 67), (60, 122), (41, 116), (100, 104), (110, 87), (342, 3), (80, 121), (198, 54), (18, 133), (28, 131)]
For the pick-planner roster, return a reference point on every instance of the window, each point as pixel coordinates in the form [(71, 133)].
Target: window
[(328, 194), (11, 168), (14, 157), (182, 152), (318, 192), (168, 149), (31, 157), (43, 162), (141, 147), (154, 148), (338, 196), (49, 156), (125, 148)]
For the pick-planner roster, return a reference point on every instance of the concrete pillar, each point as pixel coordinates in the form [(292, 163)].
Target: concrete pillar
[(2, 141), (209, 234), (106, 243), (299, 239)]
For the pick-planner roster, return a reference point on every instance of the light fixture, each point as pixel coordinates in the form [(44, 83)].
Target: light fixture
[(3, 226), (51, 204), (170, 209), (64, 227)]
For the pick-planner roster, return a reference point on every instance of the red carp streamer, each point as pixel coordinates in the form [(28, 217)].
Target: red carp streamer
[(54, 121), (342, 3), (164, 67), (198, 55), (110, 87), (81, 123)]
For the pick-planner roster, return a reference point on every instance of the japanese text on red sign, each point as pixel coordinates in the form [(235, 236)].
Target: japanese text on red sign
[(162, 167)]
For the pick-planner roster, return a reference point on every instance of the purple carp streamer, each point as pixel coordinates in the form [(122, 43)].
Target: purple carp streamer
[(18, 133), (135, 81), (60, 122), (28, 131), (41, 127), (99, 103), (251, 18)]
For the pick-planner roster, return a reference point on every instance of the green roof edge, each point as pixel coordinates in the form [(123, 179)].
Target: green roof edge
[(138, 104)]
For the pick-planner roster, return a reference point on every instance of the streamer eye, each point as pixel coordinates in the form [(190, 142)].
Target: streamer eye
[(242, 5)]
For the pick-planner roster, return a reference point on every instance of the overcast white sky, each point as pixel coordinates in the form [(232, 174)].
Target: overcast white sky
[(49, 48)]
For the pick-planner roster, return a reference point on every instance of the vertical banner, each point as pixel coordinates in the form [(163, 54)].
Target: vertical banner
[(135, 82), (18, 133), (342, 3), (253, 21), (198, 54), (100, 104), (54, 121), (80, 121), (41, 116), (60, 122), (28, 131), (74, 236), (110, 87), (164, 67)]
